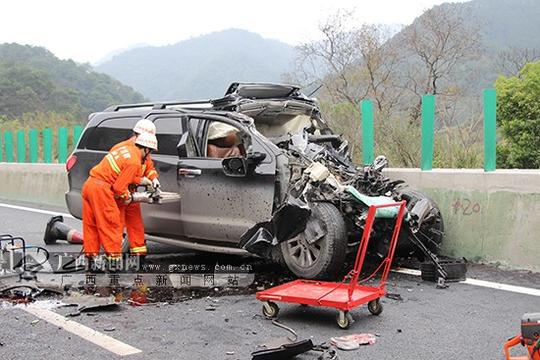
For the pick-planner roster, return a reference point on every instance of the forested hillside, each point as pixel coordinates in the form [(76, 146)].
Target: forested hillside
[(34, 81), (201, 67)]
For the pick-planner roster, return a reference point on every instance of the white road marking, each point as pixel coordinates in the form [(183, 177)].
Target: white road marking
[(91, 335), (505, 287), (407, 271), (39, 211), (482, 283)]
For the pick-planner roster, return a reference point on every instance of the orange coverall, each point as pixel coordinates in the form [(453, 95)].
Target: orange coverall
[(108, 181), (130, 214)]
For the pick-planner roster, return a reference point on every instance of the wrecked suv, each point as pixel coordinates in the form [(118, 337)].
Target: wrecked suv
[(259, 171)]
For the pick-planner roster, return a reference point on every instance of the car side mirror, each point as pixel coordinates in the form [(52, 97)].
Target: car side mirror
[(255, 158), (235, 166), (181, 148)]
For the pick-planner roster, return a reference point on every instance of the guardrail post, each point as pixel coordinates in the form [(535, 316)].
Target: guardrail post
[(77, 131), (33, 145), (366, 109), (62, 145), (490, 129), (47, 146), (428, 119), (8, 145), (21, 146)]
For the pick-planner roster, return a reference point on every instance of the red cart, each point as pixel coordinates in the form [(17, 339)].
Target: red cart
[(345, 295)]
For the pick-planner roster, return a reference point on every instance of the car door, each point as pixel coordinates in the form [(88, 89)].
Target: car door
[(218, 207), (97, 139), (165, 219)]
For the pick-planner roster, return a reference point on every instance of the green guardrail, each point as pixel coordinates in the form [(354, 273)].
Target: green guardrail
[(428, 126), (8, 146), (490, 129), (368, 142), (34, 146), (28, 142), (428, 130)]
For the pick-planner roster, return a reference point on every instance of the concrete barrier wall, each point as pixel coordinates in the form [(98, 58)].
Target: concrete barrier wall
[(490, 217), (38, 183)]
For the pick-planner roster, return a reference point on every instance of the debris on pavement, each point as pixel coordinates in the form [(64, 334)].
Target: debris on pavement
[(278, 324), (394, 296), (353, 342), (286, 351), (90, 302)]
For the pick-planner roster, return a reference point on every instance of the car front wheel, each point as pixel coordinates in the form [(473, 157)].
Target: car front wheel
[(324, 257)]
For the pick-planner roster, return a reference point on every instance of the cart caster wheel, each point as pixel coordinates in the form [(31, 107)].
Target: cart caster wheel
[(344, 320), (270, 310), (375, 307)]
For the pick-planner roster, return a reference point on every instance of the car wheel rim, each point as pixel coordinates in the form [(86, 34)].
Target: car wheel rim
[(302, 253)]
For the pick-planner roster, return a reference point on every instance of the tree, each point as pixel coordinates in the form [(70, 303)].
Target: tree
[(510, 61), (518, 115), (353, 63), (437, 42)]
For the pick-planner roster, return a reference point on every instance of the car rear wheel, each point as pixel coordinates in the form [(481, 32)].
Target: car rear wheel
[(323, 258)]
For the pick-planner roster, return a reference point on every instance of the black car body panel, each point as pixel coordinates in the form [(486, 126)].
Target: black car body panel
[(289, 159)]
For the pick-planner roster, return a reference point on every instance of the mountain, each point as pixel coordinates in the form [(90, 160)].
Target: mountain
[(33, 80), (111, 54), (505, 27), (506, 23), (201, 67)]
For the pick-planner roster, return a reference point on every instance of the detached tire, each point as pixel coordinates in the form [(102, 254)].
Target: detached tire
[(326, 256)]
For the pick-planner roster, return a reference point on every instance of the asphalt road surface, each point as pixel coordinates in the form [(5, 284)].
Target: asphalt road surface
[(462, 322)]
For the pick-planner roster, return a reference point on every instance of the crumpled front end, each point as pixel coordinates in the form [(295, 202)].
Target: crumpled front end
[(321, 171)]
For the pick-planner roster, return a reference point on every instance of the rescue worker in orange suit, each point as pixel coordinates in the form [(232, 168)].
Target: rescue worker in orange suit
[(109, 181), (131, 213)]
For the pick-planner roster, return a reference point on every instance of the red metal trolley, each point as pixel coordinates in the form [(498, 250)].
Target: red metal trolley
[(344, 295)]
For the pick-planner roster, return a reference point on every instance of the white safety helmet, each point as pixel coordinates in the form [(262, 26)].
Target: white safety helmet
[(144, 126), (147, 140)]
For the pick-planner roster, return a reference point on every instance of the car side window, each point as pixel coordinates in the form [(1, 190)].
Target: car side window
[(168, 133), (109, 133), (224, 140)]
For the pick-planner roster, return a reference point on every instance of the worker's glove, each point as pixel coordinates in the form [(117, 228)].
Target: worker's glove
[(128, 200), (155, 183), (146, 181), (142, 197)]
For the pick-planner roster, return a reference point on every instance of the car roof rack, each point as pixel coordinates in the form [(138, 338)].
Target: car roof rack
[(156, 106)]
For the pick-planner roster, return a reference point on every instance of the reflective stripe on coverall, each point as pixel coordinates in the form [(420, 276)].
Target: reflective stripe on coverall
[(108, 181), (131, 214)]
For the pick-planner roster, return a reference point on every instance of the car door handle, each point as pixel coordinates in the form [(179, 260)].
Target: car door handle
[(189, 172)]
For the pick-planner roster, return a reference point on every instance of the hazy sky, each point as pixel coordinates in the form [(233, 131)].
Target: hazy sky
[(87, 31)]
